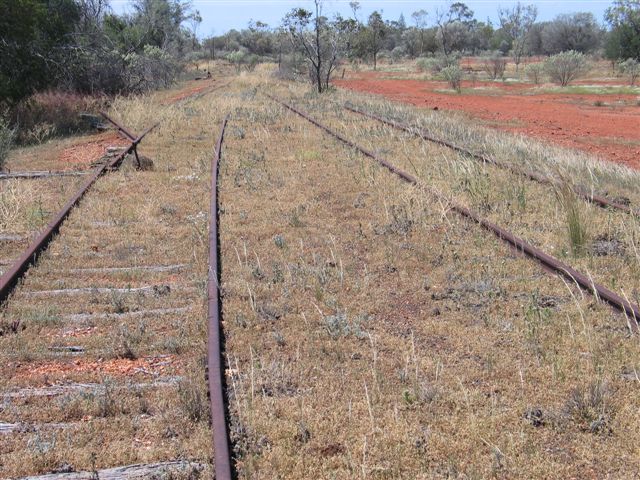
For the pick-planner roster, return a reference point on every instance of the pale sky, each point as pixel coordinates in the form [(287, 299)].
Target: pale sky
[(219, 16)]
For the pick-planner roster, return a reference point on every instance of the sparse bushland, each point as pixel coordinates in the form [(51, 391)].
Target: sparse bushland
[(565, 67)]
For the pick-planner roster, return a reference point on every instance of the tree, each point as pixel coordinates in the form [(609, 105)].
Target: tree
[(210, 45), (34, 37), (420, 20), (579, 32), (319, 41), (160, 22), (516, 22), (454, 26), (376, 31), (624, 18)]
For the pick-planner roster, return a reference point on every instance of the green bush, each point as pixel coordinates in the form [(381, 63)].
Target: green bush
[(453, 75), (534, 72), (437, 64), (422, 64), (565, 67), (153, 68)]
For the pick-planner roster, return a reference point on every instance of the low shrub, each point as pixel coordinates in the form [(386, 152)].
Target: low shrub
[(152, 69), (46, 114), (631, 68), (565, 67), (494, 66), (534, 72), (437, 64), (453, 75), (422, 64)]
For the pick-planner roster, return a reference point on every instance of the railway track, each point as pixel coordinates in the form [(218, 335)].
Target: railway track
[(549, 262), (215, 342), (597, 199), (10, 278), (103, 322)]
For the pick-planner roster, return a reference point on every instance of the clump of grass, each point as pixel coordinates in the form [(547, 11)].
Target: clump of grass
[(575, 222), (107, 399), (294, 217), (128, 340), (279, 241), (589, 407), (339, 325), (45, 317), (193, 400)]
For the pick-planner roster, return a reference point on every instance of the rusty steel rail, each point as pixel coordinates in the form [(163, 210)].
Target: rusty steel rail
[(215, 341), (594, 198), (546, 260), (10, 278), (126, 133)]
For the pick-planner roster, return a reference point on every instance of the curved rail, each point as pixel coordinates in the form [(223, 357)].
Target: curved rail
[(546, 260), (10, 279), (596, 199), (215, 361)]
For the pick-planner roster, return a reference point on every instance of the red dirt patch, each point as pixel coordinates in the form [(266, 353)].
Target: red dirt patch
[(193, 88), (570, 120), (82, 154), (120, 367)]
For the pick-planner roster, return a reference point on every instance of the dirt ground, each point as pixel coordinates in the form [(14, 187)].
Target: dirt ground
[(571, 120)]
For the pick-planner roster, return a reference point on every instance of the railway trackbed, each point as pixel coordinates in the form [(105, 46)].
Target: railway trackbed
[(581, 191), (100, 331), (363, 317), (632, 311), (291, 310)]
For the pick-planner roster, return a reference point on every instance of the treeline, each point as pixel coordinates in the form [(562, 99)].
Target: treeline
[(83, 46), (438, 32)]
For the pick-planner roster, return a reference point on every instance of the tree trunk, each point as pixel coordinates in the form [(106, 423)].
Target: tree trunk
[(318, 51)]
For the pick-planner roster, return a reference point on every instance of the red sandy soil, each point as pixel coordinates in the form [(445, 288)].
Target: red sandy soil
[(80, 156), (193, 88), (51, 372), (571, 120)]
